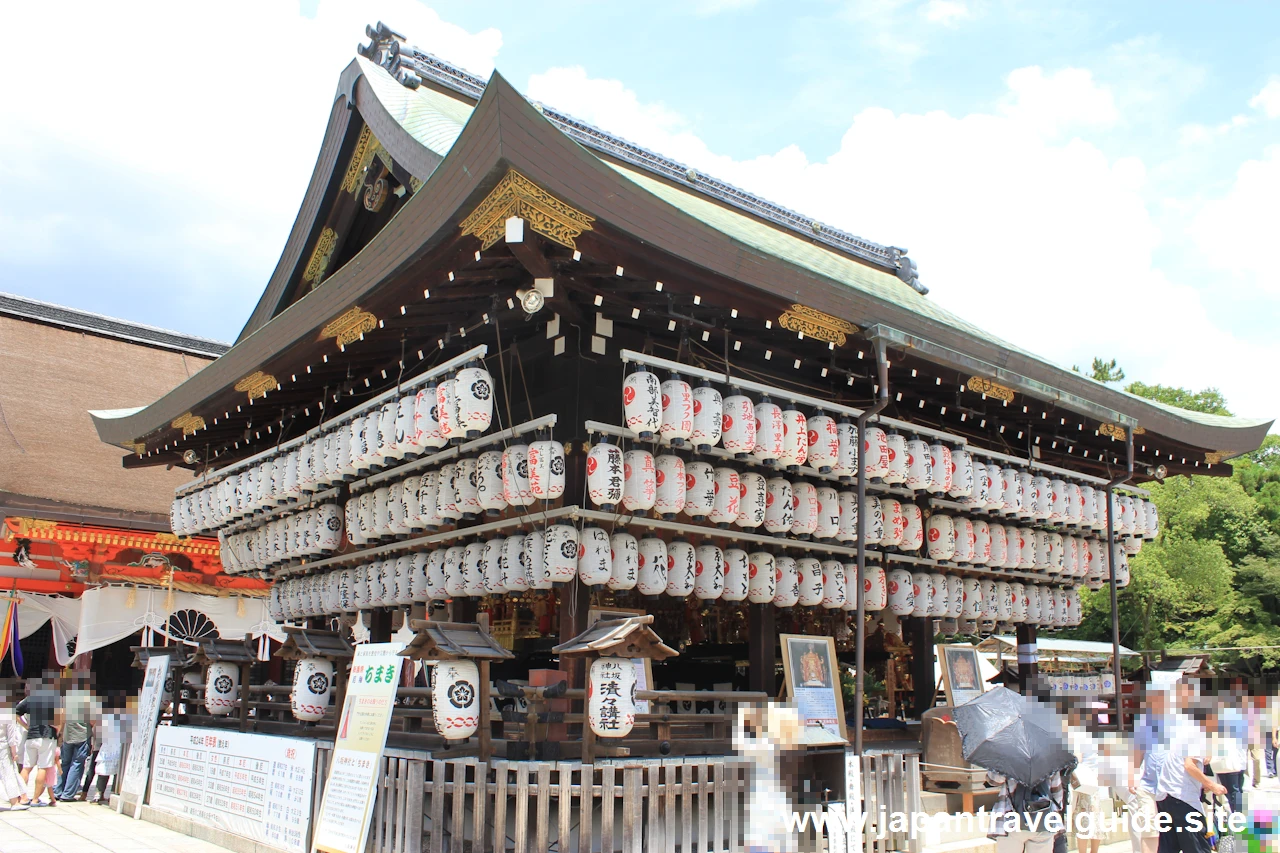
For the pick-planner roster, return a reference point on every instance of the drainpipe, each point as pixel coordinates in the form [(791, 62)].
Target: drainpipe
[(1111, 562), (860, 630)]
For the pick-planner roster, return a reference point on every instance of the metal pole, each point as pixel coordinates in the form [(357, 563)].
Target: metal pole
[(1111, 571), (860, 630)]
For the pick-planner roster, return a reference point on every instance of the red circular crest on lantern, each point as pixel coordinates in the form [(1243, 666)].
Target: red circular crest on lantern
[(591, 464), (628, 395)]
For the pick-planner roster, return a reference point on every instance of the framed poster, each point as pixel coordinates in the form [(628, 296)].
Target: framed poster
[(644, 666), (961, 676), (813, 683), (134, 782)]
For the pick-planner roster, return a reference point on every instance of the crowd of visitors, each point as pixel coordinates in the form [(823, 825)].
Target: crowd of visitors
[(59, 740)]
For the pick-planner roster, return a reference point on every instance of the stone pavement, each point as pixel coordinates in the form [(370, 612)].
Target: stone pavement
[(84, 828)]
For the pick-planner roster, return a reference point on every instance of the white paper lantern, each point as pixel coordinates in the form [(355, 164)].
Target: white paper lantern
[(328, 527), (913, 528), (779, 511), (516, 488), (994, 499), (902, 597), (810, 578), (753, 502), (419, 577), (970, 599), (1139, 514), (961, 474), (489, 481), (474, 565), (312, 689), (611, 697), (804, 509), (1043, 550), (1041, 498), (642, 403), (981, 485), (708, 572), (595, 565), (919, 465), (426, 421), (894, 522), (834, 590), (786, 582), (921, 594), (447, 410), (965, 539), (939, 595), (455, 698), (727, 502), (447, 509), (738, 425), (640, 483), (763, 579), (737, 574), (468, 486), (669, 477), (560, 560), (823, 444), (494, 575), (677, 411), (425, 516), (534, 559), (604, 475), (1074, 613), (981, 542), (875, 452), (1152, 524), (474, 389), (653, 566), (1004, 601), (828, 526), (682, 562), (999, 537), (940, 469), (546, 470), (846, 466), (955, 596), (874, 525), (708, 413), (455, 579), (795, 438), (1088, 506), (875, 586), (221, 688), (896, 445), (1122, 569), (848, 528), (700, 490), (768, 445), (387, 415), (1100, 514), (515, 568), (1032, 601), (624, 561)]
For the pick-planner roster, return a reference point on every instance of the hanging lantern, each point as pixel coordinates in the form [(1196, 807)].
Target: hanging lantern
[(494, 576), (381, 517), (846, 466), (455, 581), (561, 552), (328, 527), (875, 587), (669, 477), (939, 469), (1127, 524), (1031, 601), (955, 596), (428, 491), (970, 599), (902, 596), (795, 439), (515, 571), (921, 594), (999, 543), (1088, 506), (753, 502), (447, 495), (1122, 569), (779, 510), (1009, 490), (312, 688), (727, 500), (919, 465), (653, 566), (455, 698), (875, 452), (875, 521), (624, 561), (978, 496), (468, 485), (1139, 515), (595, 565), (993, 496), (708, 417), (1026, 495), (221, 688), (401, 447), (913, 528), (640, 483), (828, 526), (768, 445), (1071, 503), (1152, 515), (408, 489), (474, 389), (738, 425), (809, 574), (604, 475), (1074, 613), (1057, 501), (387, 415), (762, 580), (737, 574), (1004, 601), (1043, 551), (447, 410), (833, 585), (1071, 562), (426, 421), (965, 540), (804, 519), (990, 600), (981, 542), (546, 470), (611, 697), (894, 522), (473, 569), (682, 561), (516, 488), (677, 411), (1041, 498), (418, 580), (1048, 605), (642, 403), (489, 482), (847, 531), (939, 595), (961, 474), (700, 490), (708, 583), (786, 582), (534, 559), (896, 447), (1100, 514), (1019, 606), (823, 444)]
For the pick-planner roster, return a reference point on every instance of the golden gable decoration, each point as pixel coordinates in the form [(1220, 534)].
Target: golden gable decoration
[(1215, 457), (991, 389), (320, 257), (348, 327), (516, 195), (257, 384), (815, 324), (188, 423), (1114, 431)]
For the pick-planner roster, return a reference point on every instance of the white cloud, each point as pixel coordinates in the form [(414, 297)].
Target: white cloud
[(1268, 99), (1239, 229), (948, 13), (1018, 223)]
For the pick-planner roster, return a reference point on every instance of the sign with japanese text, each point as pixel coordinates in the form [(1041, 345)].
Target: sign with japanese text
[(345, 811), (254, 786), (134, 782)]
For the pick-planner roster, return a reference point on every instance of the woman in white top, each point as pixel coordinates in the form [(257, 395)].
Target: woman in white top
[(12, 734)]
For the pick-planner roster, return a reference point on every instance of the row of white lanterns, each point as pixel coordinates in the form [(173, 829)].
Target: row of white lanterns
[(457, 408), (312, 533), (308, 699)]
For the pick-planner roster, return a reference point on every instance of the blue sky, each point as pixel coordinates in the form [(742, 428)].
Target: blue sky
[(1056, 169)]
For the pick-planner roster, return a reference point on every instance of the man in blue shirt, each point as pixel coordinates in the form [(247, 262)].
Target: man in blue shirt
[(1150, 748), (1180, 782)]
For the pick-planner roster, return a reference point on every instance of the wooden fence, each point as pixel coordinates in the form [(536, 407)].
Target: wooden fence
[(890, 785)]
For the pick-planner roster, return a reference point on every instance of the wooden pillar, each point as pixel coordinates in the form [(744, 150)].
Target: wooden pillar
[(244, 696), (1027, 657), (762, 638), (922, 673), (486, 733), (380, 626), (575, 599)]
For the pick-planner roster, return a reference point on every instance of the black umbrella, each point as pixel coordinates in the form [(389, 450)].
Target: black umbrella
[(1007, 733)]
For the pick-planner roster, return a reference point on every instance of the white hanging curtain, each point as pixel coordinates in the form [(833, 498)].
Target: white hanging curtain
[(110, 614), (35, 610)]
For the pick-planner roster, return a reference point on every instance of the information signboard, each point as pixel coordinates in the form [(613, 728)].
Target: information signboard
[(134, 782)]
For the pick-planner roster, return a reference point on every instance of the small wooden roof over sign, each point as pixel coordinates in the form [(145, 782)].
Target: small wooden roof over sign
[(626, 638), (452, 641), (224, 651), (308, 643), (142, 654)]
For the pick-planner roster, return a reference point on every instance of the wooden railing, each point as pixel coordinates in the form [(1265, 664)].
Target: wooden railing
[(890, 785)]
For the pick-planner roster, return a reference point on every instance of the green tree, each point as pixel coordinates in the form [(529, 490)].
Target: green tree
[(1104, 371), (1210, 400)]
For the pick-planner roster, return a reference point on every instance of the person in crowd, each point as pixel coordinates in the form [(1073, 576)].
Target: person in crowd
[(1255, 708), (77, 744), (1086, 792), (12, 735), (1271, 725), (1150, 748), (1228, 741), (1180, 783), (43, 711), (1041, 800), (113, 732)]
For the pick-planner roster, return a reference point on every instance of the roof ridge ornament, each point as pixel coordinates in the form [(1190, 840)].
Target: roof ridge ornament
[(516, 195)]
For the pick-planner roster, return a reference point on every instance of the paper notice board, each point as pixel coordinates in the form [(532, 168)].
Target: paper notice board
[(347, 806), (134, 782)]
